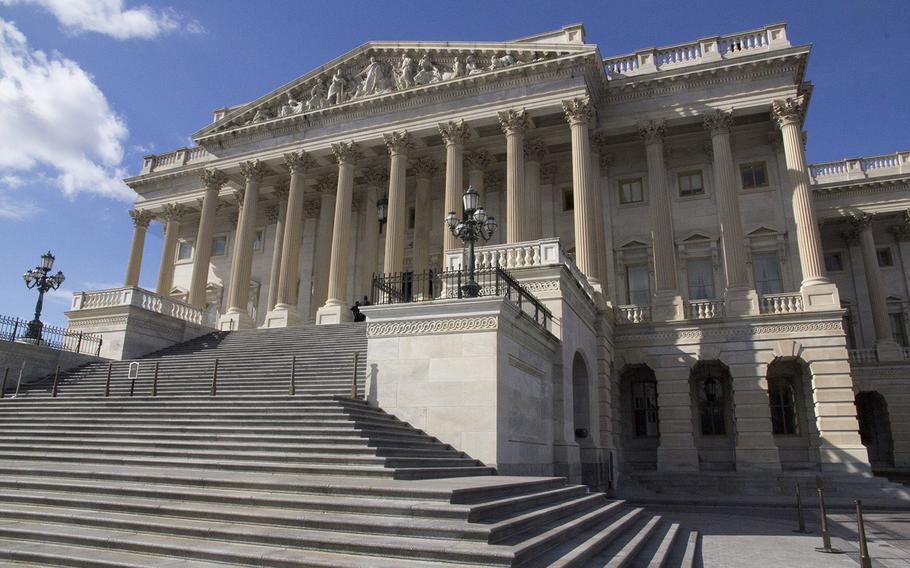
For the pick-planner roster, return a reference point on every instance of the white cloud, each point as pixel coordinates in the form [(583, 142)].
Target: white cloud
[(55, 119), (13, 209), (109, 17)]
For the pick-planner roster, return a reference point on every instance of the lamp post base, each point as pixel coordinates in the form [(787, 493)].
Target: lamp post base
[(33, 329)]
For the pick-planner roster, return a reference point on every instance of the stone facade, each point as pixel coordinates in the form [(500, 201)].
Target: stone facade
[(658, 203)]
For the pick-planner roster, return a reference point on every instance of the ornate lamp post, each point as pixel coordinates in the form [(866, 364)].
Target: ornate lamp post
[(382, 210), (38, 278), (474, 225)]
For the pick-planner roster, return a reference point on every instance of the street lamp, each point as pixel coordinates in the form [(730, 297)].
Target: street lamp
[(474, 224), (382, 210), (38, 278)]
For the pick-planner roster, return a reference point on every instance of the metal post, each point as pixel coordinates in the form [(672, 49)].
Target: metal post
[(215, 379), (826, 534), (56, 378), (354, 375), (291, 389), (79, 342), (3, 384), (19, 382), (155, 380), (865, 561), (12, 336), (98, 351), (800, 517), (107, 385)]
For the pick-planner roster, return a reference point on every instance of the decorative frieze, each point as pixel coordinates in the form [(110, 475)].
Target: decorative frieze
[(172, 212), (424, 166), (535, 149), (375, 176), (478, 160), (326, 184), (282, 190), (424, 327)]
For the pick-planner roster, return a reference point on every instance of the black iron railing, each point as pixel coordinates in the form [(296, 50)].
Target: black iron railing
[(409, 287), (15, 329)]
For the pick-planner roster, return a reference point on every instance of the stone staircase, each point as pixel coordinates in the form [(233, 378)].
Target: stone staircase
[(256, 477)]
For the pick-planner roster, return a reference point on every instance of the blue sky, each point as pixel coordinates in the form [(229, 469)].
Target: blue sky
[(87, 87)]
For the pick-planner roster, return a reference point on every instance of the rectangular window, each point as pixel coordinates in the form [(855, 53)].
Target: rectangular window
[(412, 217), (259, 240), (766, 271), (701, 279), (898, 329), (784, 418), (184, 250), (219, 245), (639, 285), (630, 191), (644, 408), (885, 258), (754, 175), (834, 262), (690, 183), (568, 199)]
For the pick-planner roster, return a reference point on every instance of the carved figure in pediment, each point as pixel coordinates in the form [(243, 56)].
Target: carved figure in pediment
[(375, 79), (472, 66), (457, 71), (405, 72), (337, 88), (261, 115), (426, 72), (292, 106), (317, 98), (506, 60)]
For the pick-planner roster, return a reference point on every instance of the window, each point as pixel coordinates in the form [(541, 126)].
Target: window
[(639, 285), (568, 199), (885, 258), (898, 329), (701, 279), (259, 240), (630, 191), (690, 183), (412, 217), (644, 408), (754, 175), (834, 262), (711, 402), (219, 245), (766, 271), (184, 250), (784, 419)]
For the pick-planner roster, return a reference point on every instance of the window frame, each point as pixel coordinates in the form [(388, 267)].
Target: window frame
[(648, 410), (780, 273), (567, 199), (227, 242), (890, 254), (775, 401), (834, 253), (256, 232), (632, 179), (752, 164), (688, 174), (180, 243), (647, 270), (710, 263)]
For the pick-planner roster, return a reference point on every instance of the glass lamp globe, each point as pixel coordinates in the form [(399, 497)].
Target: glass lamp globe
[(480, 215), (451, 220), (471, 199), (28, 277), (382, 209), (47, 260), (491, 225), (59, 278)]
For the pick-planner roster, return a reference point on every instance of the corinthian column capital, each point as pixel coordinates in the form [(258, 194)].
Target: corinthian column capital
[(298, 162), (398, 142), (652, 131), (790, 110), (282, 190), (253, 170), (326, 184), (535, 149), (213, 178), (578, 110), (861, 221), (375, 176), (172, 212), (718, 122), (478, 160), (454, 132), (424, 166), (346, 152), (513, 121), (141, 218)]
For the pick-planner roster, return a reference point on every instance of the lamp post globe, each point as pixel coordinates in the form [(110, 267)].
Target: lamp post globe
[(40, 279), (474, 225)]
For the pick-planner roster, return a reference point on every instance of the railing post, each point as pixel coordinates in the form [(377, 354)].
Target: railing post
[(56, 378), (354, 375), (291, 388), (865, 561), (79, 343), (800, 518), (215, 379), (12, 336), (155, 380), (98, 351), (3, 384), (823, 516), (107, 385)]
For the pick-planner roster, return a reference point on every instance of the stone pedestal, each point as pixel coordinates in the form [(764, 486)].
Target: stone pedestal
[(331, 314), (820, 297), (742, 301), (235, 319), (667, 306), (282, 316)]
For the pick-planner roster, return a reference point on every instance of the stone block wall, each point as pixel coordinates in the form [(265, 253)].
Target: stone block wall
[(36, 362)]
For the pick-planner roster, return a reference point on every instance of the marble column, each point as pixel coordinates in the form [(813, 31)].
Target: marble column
[(284, 310), (141, 220), (277, 214), (335, 309), (666, 303), (739, 297), (368, 260), (237, 316), (327, 187), (518, 207), (887, 348), (398, 143), (455, 134), (601, 162), (578, 114), (424, 168), (535, 151), (202, 255), (477, 164), (823, 294), (171, 216)]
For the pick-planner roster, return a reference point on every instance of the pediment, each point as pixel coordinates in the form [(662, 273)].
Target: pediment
[(697, 237), (634, 244), (763, 231), (388, 69)]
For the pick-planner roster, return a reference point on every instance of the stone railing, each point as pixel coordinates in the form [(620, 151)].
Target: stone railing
[(137, 297), (789, 303), (632, 314), (543, 252), (861, 356), (175, 159), (704, 309), (860, 168), (705, 50)]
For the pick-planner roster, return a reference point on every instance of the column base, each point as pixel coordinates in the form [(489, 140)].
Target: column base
[(819, 296), (888, 350), (331, 314), (282, 316), (667, 306), (235, 319), (741, 302)]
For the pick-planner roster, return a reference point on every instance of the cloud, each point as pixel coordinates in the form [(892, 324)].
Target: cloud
[(13, 209), (56, 123), (110, 18)]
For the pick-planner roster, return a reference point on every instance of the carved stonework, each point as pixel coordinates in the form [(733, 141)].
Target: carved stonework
[(239, 196), (141, 218), (398, 142), (478, 160), (494, 180), (789, 110), (548, 171), (424, 166), (326, 184), (901, 231), (172, 212), (298, 162), (454, 132), (213, 178), (311, 209), (535, 149), (653, 131), (253, 170), (861, 221), (708, 148), (271, 214), (346, 152), (513, 121), (282, 190), (718, 122), (775, 140), (606, 162), (599, 141), (425, 327), (578, 110), (375, 176)]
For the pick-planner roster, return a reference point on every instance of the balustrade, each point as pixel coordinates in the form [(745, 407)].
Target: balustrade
[(781, 303), (704, 309), (862, 356), (860, 168), (176, 158), (139, 298), (632, 314)]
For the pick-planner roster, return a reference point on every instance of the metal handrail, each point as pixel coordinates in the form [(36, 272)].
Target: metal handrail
[(15, 329)]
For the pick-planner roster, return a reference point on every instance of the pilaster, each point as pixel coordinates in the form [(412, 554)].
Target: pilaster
[(213, 180)]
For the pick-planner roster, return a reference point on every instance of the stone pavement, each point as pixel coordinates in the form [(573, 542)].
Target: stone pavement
[(763, 537)]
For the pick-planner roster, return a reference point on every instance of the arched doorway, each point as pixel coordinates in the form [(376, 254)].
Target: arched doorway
[(792, 418), (875, 428), (712, 400), (640, 420)]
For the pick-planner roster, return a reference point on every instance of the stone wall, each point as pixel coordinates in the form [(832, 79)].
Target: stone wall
[(39, 362)]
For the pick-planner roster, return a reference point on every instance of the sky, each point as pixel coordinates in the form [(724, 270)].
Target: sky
[(88, 87)]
